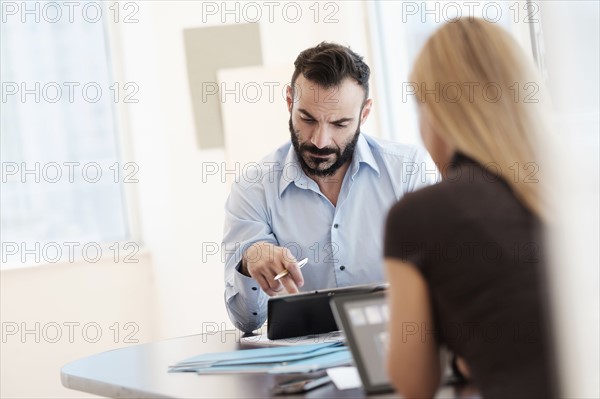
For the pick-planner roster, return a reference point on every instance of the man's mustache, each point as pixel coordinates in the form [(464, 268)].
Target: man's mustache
[(318, 151)]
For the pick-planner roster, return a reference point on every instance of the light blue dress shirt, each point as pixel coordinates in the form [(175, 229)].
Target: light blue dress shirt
[(343, 243)]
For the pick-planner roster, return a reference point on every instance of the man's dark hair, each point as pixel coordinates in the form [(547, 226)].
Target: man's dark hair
[(328, 64)]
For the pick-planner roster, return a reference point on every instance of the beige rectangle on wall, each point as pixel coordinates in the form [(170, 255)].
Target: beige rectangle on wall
[(256, 122), (207, 50)]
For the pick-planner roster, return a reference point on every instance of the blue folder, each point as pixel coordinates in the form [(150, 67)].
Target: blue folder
[(286, 359)]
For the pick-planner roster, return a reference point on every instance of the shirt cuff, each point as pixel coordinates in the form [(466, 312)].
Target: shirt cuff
[(249, 289)]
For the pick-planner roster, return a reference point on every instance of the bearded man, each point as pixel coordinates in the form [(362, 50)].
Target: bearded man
[(322, 196)]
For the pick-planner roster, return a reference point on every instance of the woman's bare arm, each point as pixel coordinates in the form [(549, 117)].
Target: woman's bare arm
[(413, 359)]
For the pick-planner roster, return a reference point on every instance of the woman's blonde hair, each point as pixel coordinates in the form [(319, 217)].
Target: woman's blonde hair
[(481, 95)]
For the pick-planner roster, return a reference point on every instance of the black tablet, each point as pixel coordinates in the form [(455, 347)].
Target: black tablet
[(364, 319), (307, 313)]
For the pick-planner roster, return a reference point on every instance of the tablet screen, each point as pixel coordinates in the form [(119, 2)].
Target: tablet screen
[(307, 313), (364, 319)]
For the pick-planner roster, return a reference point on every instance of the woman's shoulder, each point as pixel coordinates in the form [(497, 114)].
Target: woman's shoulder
[(424, 215), (438, 198), (468, 192), (419, 219)]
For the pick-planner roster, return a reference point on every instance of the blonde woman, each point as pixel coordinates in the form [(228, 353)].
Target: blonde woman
[(464, 257)]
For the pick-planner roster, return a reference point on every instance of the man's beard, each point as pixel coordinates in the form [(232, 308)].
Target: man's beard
[(341, 155)]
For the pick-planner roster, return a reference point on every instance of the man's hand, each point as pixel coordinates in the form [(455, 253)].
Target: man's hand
[(263, 261)]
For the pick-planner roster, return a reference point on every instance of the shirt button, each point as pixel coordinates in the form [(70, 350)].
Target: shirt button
[(254, 288), (254, 313), (342, 267), (335, 226)]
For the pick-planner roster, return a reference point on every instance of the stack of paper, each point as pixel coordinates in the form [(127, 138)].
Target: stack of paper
[(288, 359)]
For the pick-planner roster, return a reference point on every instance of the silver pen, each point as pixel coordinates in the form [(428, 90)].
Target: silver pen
[(286, 272)]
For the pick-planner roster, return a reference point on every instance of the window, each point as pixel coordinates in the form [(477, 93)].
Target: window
[(401, 28), (62, 182)]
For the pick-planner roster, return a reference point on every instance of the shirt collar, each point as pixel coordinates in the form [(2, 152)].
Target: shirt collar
[(293, 173), (363, 154)]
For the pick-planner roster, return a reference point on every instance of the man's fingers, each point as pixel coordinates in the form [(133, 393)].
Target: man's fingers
[(289, 284), (265, 270), (296, 274), (274, 285), (294, 271), (271, 285), (266, 286)]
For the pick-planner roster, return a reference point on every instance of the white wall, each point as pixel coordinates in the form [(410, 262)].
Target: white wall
[(52, 315), (571, 36)]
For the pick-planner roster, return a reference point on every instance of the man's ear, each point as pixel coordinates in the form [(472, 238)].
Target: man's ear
[(289, 97), (366, 111)]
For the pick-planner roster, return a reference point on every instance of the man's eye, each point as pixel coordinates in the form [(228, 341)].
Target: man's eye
[(307, 120), (340, 125)]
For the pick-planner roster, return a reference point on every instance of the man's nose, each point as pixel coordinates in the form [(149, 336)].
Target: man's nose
[(321, 138)]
